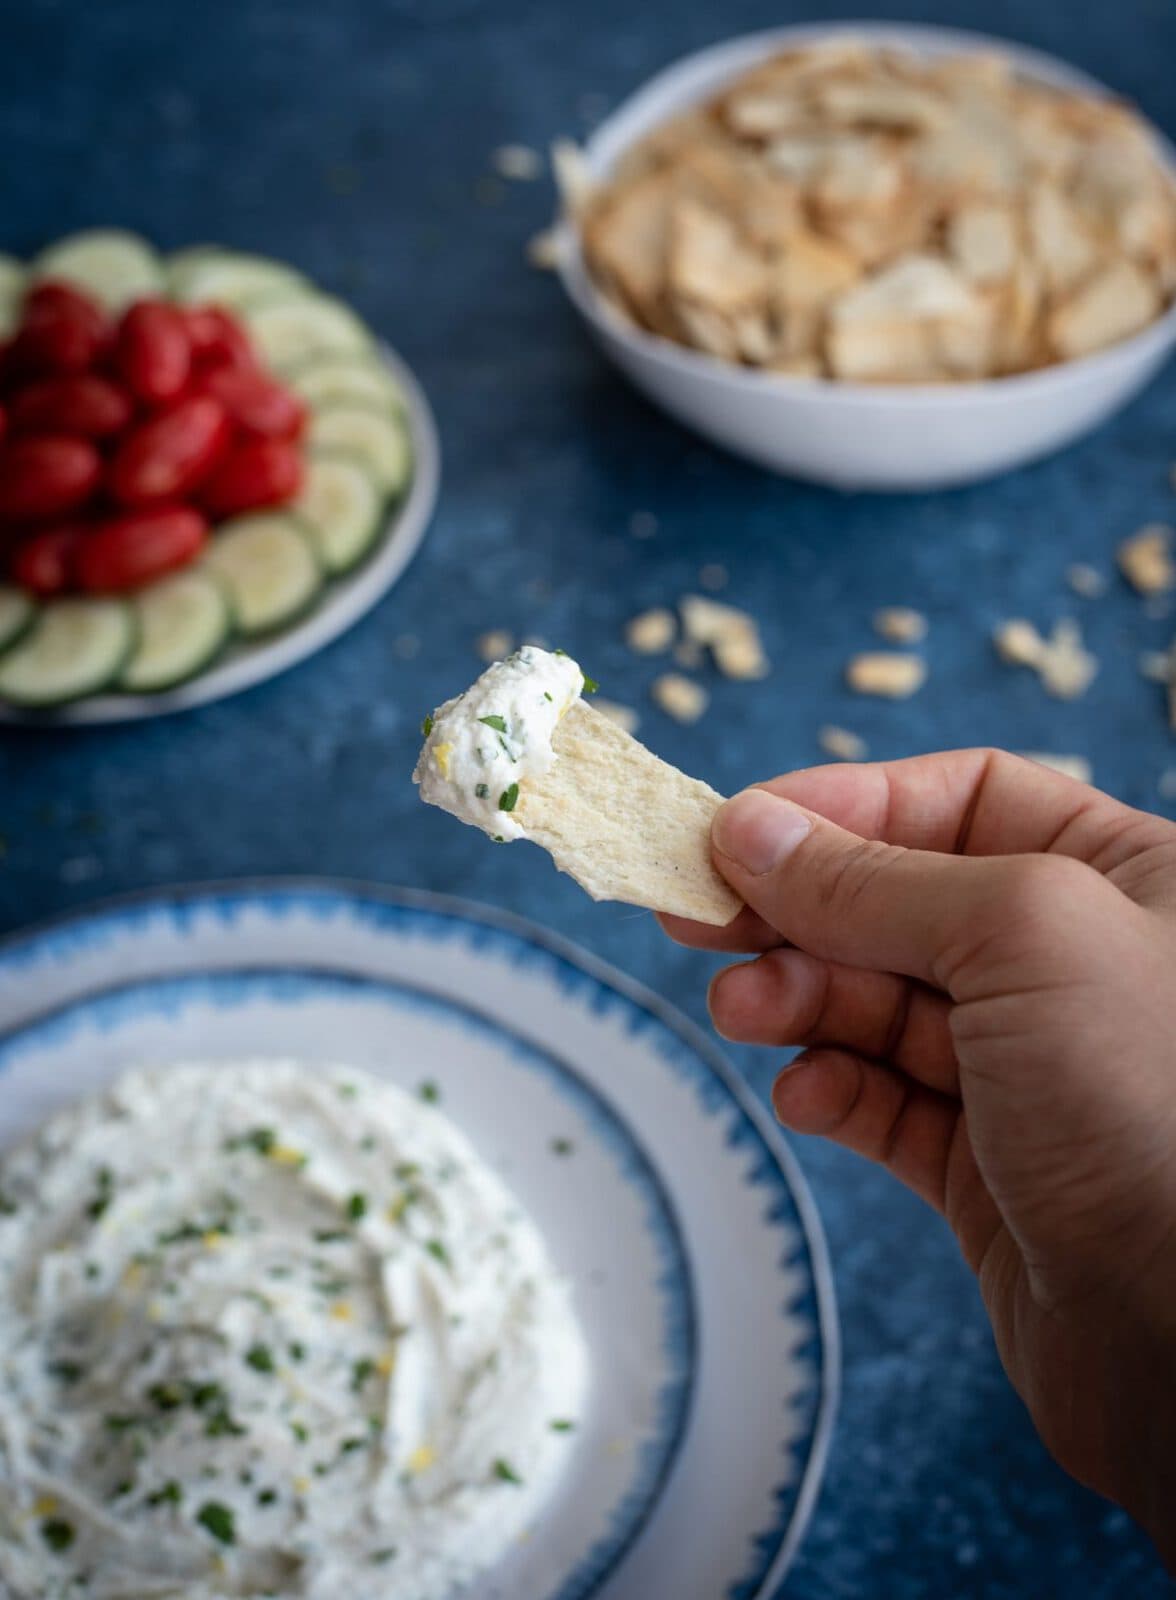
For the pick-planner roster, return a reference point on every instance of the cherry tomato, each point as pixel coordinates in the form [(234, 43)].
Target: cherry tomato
[(218, 340), (84, 403), (43, 563), (169, 454), (254, 473), (153, 352), (256, 403), (44, 475), (129, 550), (61, 330)]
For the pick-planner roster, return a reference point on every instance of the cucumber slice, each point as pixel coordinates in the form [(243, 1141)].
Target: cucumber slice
[(226, 278), (17, 610), (289, 329), (376, 439), (12, 282), (342, 509), (333, 379), (183, 623), (114, 266), (268, 568), (179, 265), (75, 647)]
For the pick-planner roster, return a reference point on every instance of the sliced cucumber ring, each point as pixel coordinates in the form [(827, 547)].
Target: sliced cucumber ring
[(17, 610), (268, 568), (75, 647), (341, 507), (114, 266), (228, 278), (374, 438), (12, 282), (183, 624), (289, 329), (334, 379)]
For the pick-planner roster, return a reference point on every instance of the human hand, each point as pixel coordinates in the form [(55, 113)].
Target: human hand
[(979, 956)]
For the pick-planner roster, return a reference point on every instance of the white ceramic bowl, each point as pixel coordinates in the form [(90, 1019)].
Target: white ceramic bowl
[(849, 435)]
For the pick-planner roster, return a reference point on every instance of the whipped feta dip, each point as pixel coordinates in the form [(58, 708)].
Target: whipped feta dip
[(482, 748), (270, 1329)]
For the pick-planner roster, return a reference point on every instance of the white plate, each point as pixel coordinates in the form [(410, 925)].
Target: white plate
[(341, 605), (699, 1267)]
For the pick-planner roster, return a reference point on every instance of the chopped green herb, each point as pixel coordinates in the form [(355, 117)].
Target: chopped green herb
[(361, 1371), (505, 1472), (348, 1091), (348, 1445), (8, 1207), (497, 838), (266, 1497), (590, 685), (438, 1251), (167, 1396), (562, 1147), (66, 1371), (218, 1520), (546, 696), (57, 1533), (122, 1488), (104, 1182), (497, 723), (427, 726), (561, 1425), (260, 1139), (92, 1269), (221, 1425), (330, 1235), (205, 1395), (481, 790), (297, 1350), (331, 1287), (508, 799), (379, 1557), (260, 1357), (119, 1424), (300, 1431), (430, 1091), (357, 1207), (169, 1494), (405, 1170)]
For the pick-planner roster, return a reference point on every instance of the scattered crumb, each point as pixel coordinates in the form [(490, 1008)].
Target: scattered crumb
[(679, 697), (643, 524), (494, 645), (406, 645), (1146, 559), (517, 162), (1167, 784), (1087, 581), (887, 673), (842, 744), (900, 624), (1019, 643), (731, 635), (688, 654), (572, 177), (1067, 669), (652, 631), (624, 716), (1069, 766), (543, 250), (714, 576), (1156, 666)]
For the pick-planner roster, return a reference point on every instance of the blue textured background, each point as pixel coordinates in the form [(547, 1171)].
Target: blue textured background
[(354, 137)]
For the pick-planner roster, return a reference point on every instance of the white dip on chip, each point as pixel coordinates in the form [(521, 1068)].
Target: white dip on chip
[(270, 1329), (481, 748)]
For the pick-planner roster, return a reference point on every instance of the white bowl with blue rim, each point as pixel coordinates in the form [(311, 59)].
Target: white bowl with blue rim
[(855, 435), (698, 1263)]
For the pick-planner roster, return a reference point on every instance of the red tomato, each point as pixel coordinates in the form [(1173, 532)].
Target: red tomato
[(254, 473), (153, 352), (45, 475), (61, 330), (131, 549), (256, 403), (43, 563), (84, 403), (218, 340), (169, 454)]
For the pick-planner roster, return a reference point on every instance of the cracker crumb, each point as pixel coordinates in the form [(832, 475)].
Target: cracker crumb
[(731, 635), (642, 524), (1087, 581), (1018, 643), (1069, 766), (652, 631), (495, 644), (543, 250), (714, 576), (1146, 559), (891, 674), (624, 716), (900, 624), (1067, 669), (517, 162), (679, 697), (842, 744)]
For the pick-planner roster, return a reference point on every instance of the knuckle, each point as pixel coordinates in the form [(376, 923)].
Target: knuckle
[(852, 874), (1042, 891)]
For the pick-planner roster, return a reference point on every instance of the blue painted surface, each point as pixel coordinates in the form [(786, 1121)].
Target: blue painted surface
[(354, 138)]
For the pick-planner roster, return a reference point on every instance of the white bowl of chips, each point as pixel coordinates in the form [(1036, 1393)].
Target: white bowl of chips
[(915, 427)]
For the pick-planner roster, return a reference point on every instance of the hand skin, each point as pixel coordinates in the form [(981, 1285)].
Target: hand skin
[(979, 958)]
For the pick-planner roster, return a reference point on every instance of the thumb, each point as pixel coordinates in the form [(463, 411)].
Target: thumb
[(866, 903)]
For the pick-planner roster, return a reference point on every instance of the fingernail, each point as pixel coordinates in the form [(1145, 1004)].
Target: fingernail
[(758, 831)]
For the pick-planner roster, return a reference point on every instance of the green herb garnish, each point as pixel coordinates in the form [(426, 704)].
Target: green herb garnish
[(57, 1533), (105, 1189), (438, 1251), (357, 1207), (266, 1497), (169, 1494), (427, 726), (260, 1139), (167, 1396), (361, 1371), (590, 684), (495, 722), (505, 1472), (297, 1350), (561, 1425), (65, 1371), (562, 1147), (429, 1091), (330, 1235), (546, 696), (508, 799), (481, 790), (260, 1357), (379, 1557), (218, 1520), (300, 1431)]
